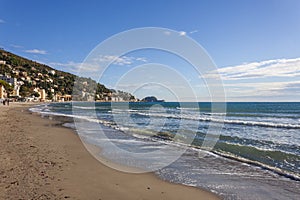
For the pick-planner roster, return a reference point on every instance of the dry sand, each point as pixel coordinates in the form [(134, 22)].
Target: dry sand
[(39, 159)]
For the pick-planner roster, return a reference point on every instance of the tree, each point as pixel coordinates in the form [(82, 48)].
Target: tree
[(36, 94), (49, 95), (6, 86), (24, 91)]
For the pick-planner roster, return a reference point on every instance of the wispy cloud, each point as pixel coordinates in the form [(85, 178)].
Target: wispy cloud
[(194, 31), (182, 33), (271, 91), (36, 51), (262, 69), (97, 63), (75, 66), (271, 80), (263, 87), (142, 59), (2, 21), (121, 61), (16, 46)]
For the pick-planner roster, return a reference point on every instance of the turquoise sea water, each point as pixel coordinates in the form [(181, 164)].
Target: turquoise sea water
[(257, 150)]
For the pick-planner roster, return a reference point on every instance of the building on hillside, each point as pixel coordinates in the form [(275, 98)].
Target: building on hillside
[(3, 62), (62, 98), (3, 93), (16, 72), (16, 91), (41, 92), (4, 54), (52, 72), (23, 74), (8, 79), (116, 98)]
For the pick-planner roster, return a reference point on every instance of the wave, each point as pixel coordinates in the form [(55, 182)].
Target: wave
[(223, 120), (192, 109), (215, 118), (41, 111), (226, 154), (255, 115), (276, 170), (85, 107), (210, 117), (115, 110), (263, 124)]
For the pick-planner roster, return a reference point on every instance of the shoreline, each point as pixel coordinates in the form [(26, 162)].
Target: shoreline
[(90, 147), (42, 159)]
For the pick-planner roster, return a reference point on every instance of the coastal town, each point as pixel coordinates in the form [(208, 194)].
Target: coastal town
[(28, 81)]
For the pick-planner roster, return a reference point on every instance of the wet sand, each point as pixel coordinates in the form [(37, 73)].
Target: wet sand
[(39, 159)]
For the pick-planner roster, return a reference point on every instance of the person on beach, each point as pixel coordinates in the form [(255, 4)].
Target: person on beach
[(4, 102)]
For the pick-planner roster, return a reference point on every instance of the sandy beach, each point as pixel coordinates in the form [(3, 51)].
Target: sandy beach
[(40, 159)]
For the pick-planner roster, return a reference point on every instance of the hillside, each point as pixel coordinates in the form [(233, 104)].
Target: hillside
[(31, 75)]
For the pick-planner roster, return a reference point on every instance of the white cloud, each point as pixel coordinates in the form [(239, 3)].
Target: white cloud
[(118, 60), (264, 86), (269, 80), (142, 59), (182, 33), (2, 21), (16, 46), (194, 31), (36, 51), (97, 63), (271, 91), (75, 66), (262, 69), (114, 59)]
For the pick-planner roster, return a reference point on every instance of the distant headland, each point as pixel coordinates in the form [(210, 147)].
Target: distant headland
[(151, 99)]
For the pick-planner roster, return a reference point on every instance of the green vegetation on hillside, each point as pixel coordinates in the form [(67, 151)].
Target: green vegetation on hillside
[(35, 75), (6, 86)]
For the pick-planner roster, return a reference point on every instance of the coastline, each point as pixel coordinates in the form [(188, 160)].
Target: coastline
[(40, 159)]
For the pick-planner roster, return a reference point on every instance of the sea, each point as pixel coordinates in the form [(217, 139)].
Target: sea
[(249, 150)]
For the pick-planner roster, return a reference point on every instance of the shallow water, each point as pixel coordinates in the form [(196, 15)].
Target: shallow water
[(263, 139)]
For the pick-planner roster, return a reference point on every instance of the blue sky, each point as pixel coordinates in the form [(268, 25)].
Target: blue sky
[(255, 44)]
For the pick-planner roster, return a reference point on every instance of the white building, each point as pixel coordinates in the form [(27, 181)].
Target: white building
[(116, 98), (52, 72), (41, 92), (3, 93)]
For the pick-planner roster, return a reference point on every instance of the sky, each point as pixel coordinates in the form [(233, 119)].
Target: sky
[(254, 44)]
